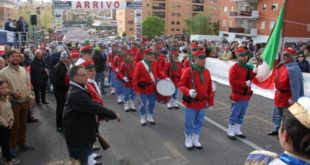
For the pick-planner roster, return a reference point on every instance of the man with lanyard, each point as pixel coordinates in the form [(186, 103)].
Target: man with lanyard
[(118, 59), (146, 74), (95, 94), (173, 69), (240, 78), (289, 85), (196, 86), (126, 74)]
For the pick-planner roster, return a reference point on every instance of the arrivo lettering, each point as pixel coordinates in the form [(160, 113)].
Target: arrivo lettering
[(97, 4)]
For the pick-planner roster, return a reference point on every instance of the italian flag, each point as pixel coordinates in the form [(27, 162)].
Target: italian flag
[(266, 72)]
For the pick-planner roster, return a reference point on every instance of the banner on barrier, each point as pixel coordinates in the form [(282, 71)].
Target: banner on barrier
[(219, 72)]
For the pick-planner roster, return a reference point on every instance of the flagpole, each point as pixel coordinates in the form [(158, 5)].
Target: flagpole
[(283, 28)]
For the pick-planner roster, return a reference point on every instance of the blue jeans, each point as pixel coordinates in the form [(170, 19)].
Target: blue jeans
[(100, 81), (113, 79), (194, 120), (175, 94), (119, 87), (238, 110), (80, 152), (147, 98), (277, 117), (128, 94)]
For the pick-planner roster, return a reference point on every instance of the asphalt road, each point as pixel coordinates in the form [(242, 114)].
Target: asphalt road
[(163, 143)]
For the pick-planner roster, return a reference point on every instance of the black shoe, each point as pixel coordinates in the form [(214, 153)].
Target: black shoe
[(33, 120), (127, 110), (232, 137), (133, 110), (96, 148), (98, 163), (169, 108), (273, 133), (241, 136), (189, 148), (99, 156), (176, 107), (198, 147), (26, 148), (143, 125), (45, 102), (38, 104)]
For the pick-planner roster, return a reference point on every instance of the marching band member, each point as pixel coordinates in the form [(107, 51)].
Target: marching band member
[(118, 83), (86, 54), (240, 78), (111, 57), (173, 69), (146, 74), (75, 55), (289, 85), (196, 86), (159, 57), (294, 138), (126, 74)]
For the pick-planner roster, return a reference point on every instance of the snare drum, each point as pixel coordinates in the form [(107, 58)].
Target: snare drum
[(164, 91)]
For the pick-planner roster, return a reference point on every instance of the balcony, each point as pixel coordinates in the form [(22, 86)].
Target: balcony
[(198, 8), (245, 14), (198, 1), (159, 6), (159, 14), (243, 31)]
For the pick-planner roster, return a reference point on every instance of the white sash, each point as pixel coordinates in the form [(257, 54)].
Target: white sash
[(150, 73)]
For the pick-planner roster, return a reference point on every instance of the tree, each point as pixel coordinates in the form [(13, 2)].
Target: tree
[(153, 26), (46, 18), (215, 28), (199, 24)]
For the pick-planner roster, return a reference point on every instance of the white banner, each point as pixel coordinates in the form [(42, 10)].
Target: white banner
[(219, 72), (98, 4)]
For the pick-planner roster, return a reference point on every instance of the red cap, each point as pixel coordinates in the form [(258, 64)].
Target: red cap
[(130, 52), (148, 51), (86, 49), (88, 64), (74, 53), (199, 53), (241, 52), (194, 47), (290, 51)]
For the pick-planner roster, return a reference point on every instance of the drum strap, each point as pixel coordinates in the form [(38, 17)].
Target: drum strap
[(150, 73)]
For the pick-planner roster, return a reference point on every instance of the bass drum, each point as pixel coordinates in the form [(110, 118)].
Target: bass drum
[(164, 91)]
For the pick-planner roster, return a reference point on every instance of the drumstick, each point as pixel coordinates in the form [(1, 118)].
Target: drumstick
[(140, 101)]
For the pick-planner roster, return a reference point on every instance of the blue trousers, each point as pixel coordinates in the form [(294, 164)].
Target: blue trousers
[(277, 117), (194, 120), (238, 110), (100, 81), (113, 79), (80, 152), (147, 103), (119, 87), (175, 94), (128, 94)]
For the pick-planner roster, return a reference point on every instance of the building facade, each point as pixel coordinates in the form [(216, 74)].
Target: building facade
[(172, 12), (6, 11), (255, 19)]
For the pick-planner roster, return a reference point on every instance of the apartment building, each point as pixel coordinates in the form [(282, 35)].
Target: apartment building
[(173, 12), (6, 11), (242, 19)]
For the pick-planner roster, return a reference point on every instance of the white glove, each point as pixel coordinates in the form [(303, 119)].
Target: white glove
[(192, 93), (211, 108), (255, 69), (248, 83), (168, 79), (110, 64), (290, 101), (126, 79), (117, 70)]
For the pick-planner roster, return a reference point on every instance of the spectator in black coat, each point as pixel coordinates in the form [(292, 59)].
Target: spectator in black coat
[(39, 76), (303, 63), (79, 121), (22, 28), (100, 60), (60, 80)]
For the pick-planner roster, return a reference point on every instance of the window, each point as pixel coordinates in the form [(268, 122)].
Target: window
[(178, 29), (264, 7), (231, 8), (262, 25), (130, 29), (225, 8), (274, 7), (130, 22), (224, 23), (271, 24), (172, 14), (178, 22), (172, 22), (172, 30), (308, 27), (178, 14)]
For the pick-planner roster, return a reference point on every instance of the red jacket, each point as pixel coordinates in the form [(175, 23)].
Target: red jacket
[(93, 93), (111, 58), (204, 91), (282, 84), (142, 75), (185, 64), (126, 71), (116, 64), (160, 60), (237, 80), (175, 74), (138, 56)]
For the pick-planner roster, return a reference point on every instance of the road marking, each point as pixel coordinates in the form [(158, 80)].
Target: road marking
[(218, 125), (178, 156)]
